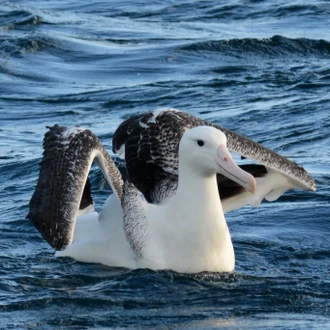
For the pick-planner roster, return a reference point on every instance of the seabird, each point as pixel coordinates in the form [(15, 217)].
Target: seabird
[(149, 144), (172, 158)]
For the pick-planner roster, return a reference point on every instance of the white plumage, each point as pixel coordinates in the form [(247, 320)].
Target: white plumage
[(183, 230)]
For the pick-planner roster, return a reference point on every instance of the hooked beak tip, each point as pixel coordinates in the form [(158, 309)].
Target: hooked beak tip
[(252, 185), (243, 178)]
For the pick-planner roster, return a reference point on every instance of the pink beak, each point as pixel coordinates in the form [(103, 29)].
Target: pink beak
[(231, 170)]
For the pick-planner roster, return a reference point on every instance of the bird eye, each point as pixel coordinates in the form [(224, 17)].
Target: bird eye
[(200, 143)]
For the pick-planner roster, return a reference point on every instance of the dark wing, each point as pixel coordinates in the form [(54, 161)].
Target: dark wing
[(63, 187), (151, 143)]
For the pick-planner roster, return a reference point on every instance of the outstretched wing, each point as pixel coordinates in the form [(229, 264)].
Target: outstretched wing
[(63, 187), (150, 142)]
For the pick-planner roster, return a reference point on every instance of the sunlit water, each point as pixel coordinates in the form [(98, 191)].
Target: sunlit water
[(261, 68)]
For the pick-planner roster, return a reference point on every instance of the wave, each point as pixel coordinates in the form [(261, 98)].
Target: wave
[(17, 27), (31, 44), (18, 18), (274, 46)]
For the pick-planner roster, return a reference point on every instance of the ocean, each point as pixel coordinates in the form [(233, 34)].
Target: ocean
[(260, 68)]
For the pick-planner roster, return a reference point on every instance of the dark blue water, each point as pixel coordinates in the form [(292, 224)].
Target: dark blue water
[(261, 68)]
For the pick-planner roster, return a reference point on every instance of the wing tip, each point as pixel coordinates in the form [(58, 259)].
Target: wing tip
[(57, 236)]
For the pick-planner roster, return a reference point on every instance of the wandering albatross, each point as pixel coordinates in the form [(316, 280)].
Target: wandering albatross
[(149, 144), (179, 224)]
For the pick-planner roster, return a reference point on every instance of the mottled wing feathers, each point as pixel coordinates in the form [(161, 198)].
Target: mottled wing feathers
[(151, 150), (63, 187), (151, 153), (269, 158), (151, 144), (134, 218)]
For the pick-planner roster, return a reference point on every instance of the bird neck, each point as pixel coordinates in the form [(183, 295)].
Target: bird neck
[(198, 191), (199, 222)]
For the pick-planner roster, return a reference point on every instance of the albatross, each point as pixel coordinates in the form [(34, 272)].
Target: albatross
[(149, 144), (167, 215)]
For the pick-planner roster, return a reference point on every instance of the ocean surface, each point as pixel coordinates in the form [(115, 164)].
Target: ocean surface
[(261, 68)]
